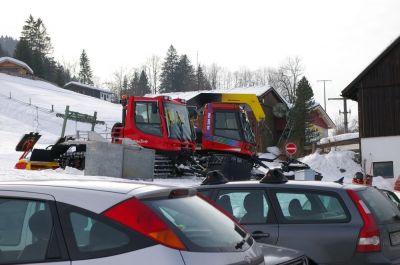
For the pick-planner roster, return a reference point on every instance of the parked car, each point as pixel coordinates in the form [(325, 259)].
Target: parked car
[(392, 196), (332, 223), (105, 222)]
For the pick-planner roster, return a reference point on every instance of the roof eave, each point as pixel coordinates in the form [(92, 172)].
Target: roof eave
[(351, 90)]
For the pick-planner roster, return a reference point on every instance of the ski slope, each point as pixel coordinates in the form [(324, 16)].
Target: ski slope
[(17, 117), (38, 115)]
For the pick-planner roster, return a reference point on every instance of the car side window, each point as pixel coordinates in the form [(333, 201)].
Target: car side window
[(26, 232), (246, 206), (311, 206), (89, 235), (94, 235)]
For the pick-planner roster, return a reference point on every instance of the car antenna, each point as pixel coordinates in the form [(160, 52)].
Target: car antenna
[(340, 181), (274, 176), (214, 177)]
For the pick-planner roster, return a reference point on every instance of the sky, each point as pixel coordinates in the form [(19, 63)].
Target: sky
[(336, 39)]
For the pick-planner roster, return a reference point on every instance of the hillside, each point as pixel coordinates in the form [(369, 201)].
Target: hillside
[(17, 117)]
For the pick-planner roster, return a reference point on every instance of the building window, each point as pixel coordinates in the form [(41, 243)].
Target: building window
[(383, 169)]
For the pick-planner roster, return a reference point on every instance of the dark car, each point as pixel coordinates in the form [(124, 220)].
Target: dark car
[(392, 196), (332, 223)]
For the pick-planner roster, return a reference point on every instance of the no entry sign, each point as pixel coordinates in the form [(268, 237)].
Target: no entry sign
[(291, 148)]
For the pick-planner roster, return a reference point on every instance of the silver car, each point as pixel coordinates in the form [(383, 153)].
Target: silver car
[(105, 222)]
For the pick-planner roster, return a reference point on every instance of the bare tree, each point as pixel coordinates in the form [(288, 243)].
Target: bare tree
[(72, 67), (286, 77), (117, 83), (213, 75), (339, 122), (353, 127), (153, 68)]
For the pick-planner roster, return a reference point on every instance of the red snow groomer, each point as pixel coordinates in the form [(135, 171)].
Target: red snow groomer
[(211, 131)]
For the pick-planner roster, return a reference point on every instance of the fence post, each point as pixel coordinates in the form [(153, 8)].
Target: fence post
[(29, 101), (10, 95), (52, 108), (94, 120), (65, 121)]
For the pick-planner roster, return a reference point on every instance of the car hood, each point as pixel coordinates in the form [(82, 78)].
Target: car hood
[(276, 255)]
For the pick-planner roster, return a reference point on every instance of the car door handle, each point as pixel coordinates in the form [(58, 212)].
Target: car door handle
[(259, 234)]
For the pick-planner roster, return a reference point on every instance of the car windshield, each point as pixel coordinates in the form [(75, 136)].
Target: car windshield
[(178, 123), (190, 218)]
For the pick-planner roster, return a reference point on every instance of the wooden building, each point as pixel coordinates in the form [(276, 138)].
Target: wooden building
[(89, 90), (377, 91), (13, 66)]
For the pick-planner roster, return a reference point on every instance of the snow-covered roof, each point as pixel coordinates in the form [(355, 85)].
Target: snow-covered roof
[(17, 62), (257, 90), (87, 86), (324, 115), (340, 137)]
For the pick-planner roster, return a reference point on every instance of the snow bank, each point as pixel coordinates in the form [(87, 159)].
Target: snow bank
[(337, 164), (334, 165)]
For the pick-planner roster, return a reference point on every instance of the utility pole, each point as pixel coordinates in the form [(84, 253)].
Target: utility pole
[(344, 112), (324, 80)]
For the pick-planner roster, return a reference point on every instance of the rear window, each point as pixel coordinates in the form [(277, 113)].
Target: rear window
[(190, 219), (382, 208)]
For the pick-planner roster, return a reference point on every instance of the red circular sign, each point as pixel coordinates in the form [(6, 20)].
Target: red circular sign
[(291, 148)]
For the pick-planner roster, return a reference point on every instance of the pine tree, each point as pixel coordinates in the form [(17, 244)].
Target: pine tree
[(2, 52), (134, 85), (34, 32), (168, 71), (184, 75), (24, 53), (85, 74), (125, 83), (300, 118), (143, 86), (34, 48), (202, 82), (8, 45)]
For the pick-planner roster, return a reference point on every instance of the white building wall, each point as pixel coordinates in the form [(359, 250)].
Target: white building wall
[(381, 149)]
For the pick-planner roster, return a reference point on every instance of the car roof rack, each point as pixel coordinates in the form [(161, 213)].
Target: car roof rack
[(214, 177), (274, 176)]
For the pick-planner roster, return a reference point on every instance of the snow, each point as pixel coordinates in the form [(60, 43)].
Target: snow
[(17, 62), (340, 137), (329, 165), (38, 115)]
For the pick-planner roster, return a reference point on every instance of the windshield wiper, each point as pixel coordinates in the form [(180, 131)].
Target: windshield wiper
[(241, 243)]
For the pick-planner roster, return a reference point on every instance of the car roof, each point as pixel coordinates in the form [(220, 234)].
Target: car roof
[(94, 195), (116, 186), (289, 184)]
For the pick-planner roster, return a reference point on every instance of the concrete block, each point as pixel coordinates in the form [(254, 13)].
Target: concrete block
[(119, 160)]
